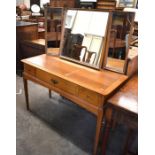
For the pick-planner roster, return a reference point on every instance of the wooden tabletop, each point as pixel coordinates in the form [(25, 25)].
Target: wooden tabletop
[(127, 97), (102, 82)]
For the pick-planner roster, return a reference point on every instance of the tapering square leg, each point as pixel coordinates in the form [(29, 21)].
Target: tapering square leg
[(26, 93), (98, 130), (50, 93)]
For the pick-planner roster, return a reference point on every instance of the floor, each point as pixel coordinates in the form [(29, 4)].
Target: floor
[(56, 126)]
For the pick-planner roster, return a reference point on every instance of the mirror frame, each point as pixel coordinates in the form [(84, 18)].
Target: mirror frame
[(127, 49), (104, 41)]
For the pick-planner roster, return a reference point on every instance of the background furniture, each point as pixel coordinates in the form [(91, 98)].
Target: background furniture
[(63, 3), (122, 107), (33, 47), (24, 31), (85, 4), (28, 43), (132, 63), (106, 4)]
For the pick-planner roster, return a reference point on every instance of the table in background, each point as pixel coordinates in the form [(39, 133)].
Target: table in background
[(122, 107)]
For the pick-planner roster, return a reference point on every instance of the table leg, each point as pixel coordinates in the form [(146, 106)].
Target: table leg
[(26, 93), (50, 93), (98, 130)]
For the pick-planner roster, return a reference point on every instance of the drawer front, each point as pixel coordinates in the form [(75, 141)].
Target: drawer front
[(44, 76), (57, 82), (65, 85), (29, 69), (89, 96)]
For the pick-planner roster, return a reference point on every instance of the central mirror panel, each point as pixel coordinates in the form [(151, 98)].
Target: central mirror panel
[(84, 37)]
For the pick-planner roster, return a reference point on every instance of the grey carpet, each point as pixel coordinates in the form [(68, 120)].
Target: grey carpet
[(56, 126)]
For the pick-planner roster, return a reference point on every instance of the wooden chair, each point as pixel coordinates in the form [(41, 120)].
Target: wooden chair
[(77, 51), (88, 55)]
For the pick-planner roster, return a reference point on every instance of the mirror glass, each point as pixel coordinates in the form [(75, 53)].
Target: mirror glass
[(53, 26), (118, 41), (84, 36)]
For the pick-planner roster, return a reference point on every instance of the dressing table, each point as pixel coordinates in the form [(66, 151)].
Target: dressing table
[(84, 86), (84, 83)]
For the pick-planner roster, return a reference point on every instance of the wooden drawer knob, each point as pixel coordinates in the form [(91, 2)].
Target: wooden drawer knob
[(54, 81)]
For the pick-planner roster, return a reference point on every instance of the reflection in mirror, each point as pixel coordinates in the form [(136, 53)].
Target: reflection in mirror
[(120, 31), (53, 22), (84, 36)]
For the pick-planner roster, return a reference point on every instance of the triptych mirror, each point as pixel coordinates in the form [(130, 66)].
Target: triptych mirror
[(97, 39)]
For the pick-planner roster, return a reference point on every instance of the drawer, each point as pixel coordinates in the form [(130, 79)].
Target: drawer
[(29, 69), (57, 82), (67, 86), (44, 76), (89, 96)]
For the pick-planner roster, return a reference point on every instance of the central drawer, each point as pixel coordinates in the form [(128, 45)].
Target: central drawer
[(57, 82)]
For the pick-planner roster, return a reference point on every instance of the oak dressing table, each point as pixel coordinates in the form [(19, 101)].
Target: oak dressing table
[(84, 86), (90, 86)]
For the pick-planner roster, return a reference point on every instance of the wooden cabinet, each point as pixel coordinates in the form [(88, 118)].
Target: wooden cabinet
[(24, 31), (122, 108), (106, 4), (32, 47), (63, 3)]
